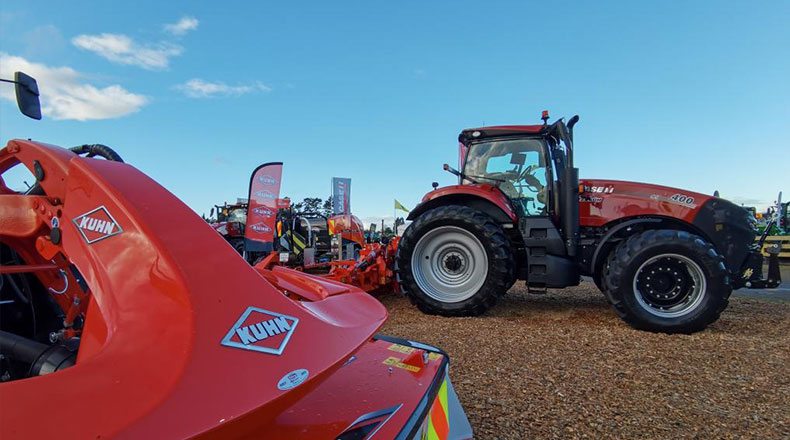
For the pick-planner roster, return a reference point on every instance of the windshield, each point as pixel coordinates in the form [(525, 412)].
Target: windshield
[(516, 166), (238, 215)]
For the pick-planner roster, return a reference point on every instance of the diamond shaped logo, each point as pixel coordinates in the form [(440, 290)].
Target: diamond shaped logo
[(261, 330), (96, 225), (260, 227)]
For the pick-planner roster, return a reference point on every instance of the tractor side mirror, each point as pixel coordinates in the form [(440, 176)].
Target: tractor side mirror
[(451, 170), (27, 95)]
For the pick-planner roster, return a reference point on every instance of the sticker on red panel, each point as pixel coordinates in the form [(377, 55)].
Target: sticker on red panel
[(96, 225), (293, 379), (261, 330)]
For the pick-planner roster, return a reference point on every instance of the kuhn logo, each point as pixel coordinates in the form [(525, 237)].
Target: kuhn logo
[(261, 330), (263, 211), (264, 195), (97, 225), (268, 180), (260, 227)]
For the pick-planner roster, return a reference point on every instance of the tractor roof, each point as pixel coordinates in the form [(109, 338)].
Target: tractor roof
[(498, 130)]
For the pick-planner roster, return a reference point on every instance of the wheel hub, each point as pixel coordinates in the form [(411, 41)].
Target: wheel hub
[(454, 262), (669, 285)]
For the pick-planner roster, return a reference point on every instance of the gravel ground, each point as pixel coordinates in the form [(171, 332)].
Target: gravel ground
[(564, 365)]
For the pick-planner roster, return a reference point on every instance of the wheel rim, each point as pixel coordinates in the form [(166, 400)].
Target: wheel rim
[(669, 285), (449, 264)]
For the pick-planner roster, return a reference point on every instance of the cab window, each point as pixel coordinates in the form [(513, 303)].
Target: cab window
[(517, 167)]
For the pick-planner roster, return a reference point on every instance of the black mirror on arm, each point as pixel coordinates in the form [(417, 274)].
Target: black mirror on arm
[(26, 94)]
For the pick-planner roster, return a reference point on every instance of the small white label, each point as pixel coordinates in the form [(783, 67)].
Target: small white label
[(283, 257), (293, 379)]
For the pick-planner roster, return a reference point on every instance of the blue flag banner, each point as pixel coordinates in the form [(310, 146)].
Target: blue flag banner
[(341, 195)]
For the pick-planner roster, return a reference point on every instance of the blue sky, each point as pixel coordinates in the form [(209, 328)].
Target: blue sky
[(686, 94)]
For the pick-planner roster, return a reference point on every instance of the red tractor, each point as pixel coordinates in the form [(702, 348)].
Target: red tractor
[(666, 259), (230, 223)]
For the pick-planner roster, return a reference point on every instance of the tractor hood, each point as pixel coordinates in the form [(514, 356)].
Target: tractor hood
[(602, 201), (181, 335), (723, 223)]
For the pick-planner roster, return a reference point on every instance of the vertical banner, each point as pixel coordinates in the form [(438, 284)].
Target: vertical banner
[(262, 208), (341, 195)]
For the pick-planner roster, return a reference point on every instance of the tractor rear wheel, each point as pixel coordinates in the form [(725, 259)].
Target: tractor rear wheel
[(454, 261), (667, 281)]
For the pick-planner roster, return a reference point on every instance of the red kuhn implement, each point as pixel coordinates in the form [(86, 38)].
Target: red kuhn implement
[(124, 314), (666, 258)]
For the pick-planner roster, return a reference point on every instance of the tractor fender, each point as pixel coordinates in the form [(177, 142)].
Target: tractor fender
[(485, 198), (601, 251), (605, 244)]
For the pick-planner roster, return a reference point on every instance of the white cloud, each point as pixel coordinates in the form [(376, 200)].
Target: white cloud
[(122, 49), (198, 88), (183, 26), (64, 94)]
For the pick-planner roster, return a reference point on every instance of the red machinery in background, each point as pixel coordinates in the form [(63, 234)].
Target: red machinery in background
[(230, 222), (372, 271), (334, 248)]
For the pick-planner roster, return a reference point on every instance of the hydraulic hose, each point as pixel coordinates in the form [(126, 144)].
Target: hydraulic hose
[(42, 358), (21, 349), (97, 150)]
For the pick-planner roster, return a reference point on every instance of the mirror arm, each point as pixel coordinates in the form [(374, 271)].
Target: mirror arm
[(455, 172)]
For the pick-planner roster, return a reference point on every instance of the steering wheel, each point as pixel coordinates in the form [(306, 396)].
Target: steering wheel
[(532, 183)]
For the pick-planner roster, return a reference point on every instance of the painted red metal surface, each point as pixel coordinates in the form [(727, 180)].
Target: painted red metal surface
[(164, 290), (604, 201), (509, 128), (28, 268), (487, 192), (349, 226), (373, 272), (229, 229)]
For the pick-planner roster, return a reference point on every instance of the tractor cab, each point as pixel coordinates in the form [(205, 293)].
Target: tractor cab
[(518, 166), (232, 213), (525, 162), (532, 167)]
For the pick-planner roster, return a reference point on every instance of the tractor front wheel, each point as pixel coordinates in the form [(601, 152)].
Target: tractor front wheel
[(667, 281), (238, 244), (454, 261)]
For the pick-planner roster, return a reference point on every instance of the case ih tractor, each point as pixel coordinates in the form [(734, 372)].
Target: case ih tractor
[(230, 223), (666, 259)]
